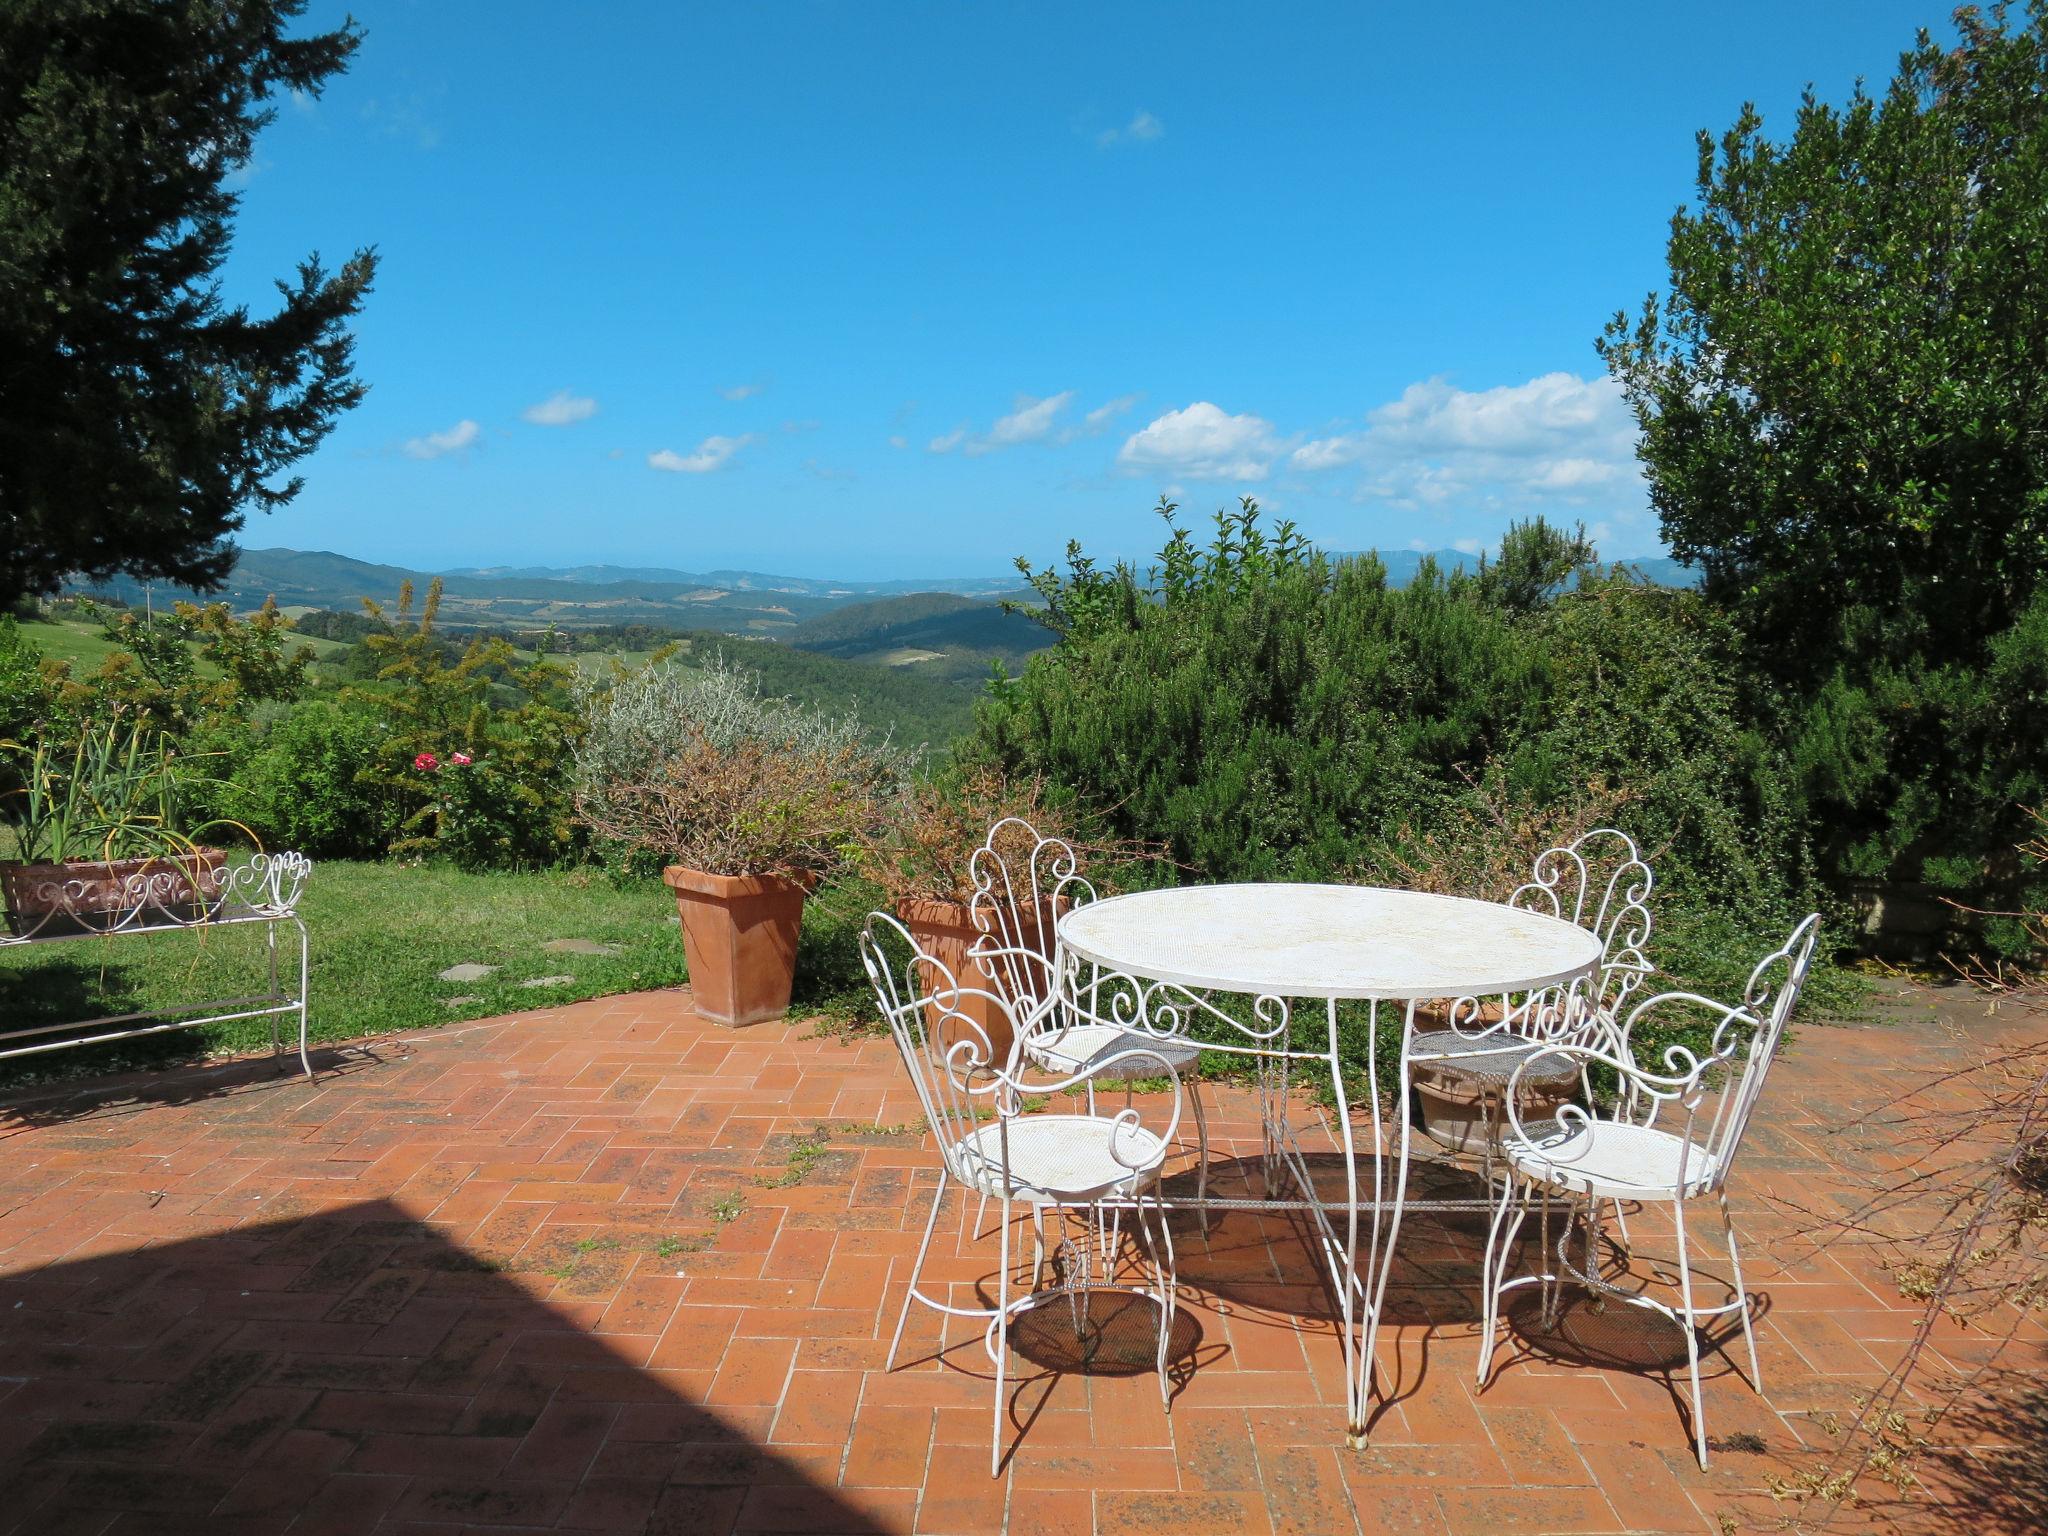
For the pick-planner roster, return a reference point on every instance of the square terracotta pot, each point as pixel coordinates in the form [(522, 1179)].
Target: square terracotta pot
[(739, 941)]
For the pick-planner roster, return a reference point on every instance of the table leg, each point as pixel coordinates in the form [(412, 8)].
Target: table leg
[(1382, 1257), (1346, 1279)]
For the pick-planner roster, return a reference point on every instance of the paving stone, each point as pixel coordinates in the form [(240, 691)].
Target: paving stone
[(549, 981), (469, 970), (580, 947)]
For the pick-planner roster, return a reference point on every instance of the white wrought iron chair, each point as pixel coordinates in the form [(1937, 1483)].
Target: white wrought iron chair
[(1022, 883), (1669, 1136), (1050, 1162), (1600, 882)]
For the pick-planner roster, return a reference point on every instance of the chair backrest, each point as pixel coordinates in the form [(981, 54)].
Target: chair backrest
[(948, 1053), (1716, 1090), (1600, 882), (1021, 883)]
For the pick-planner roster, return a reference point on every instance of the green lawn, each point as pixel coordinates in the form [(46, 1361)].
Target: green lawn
[(382, 933)]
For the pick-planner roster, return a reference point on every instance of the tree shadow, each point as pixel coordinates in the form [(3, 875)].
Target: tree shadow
[(359, 1370)]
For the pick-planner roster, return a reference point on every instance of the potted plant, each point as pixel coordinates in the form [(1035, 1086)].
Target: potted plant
[(101, 834), (921, 853), (746, 800)]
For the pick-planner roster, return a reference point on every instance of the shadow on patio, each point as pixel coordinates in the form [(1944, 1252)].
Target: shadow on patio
[(355, 1366)]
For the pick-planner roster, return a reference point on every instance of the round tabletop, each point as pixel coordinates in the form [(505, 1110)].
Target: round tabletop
[(1328, 941)]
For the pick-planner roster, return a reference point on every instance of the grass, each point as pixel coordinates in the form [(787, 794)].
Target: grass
[(85, 645), (382, 933)]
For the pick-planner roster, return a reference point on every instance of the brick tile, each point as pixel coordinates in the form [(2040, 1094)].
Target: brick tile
[(753, 1371), (1181, 1514)]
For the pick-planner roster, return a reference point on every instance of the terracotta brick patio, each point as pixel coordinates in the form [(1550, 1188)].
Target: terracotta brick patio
[(611, 1268)]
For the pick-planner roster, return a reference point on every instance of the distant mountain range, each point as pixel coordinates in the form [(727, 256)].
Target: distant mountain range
[(738, 602)]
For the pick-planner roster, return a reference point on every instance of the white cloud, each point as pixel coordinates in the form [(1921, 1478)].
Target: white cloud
[(898, 440), (714, 452), (1144, 128), (1030, 422), (1557, 442), (464, 434), (1031, 419), (1203, 442), (1107, 412), (740, 391), (1468, 546), (561, 409)]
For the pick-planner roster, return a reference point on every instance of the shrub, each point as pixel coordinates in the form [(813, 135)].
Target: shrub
[(1275, 714), (309, 784), (692, 765), (920, 844)]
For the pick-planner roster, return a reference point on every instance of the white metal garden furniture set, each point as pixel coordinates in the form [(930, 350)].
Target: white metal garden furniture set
[(1137, 986)]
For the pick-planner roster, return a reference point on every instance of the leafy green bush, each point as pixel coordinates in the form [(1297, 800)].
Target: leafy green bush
[(308, 782), (1843, 428), (1272, 714)]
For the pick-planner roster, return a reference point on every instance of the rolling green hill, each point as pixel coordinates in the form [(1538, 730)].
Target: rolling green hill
[(938, 623)]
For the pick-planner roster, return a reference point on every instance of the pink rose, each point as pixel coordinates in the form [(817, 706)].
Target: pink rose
[(426, 762), (461, 759)]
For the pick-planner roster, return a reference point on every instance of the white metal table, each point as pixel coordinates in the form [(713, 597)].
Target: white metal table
[(1153, 961)]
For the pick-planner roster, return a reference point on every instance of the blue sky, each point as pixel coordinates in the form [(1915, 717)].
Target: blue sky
[(873, 289)]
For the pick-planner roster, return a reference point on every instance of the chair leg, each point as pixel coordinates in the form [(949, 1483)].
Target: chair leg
[(1201, 1154), (1628, 1247), (995, 1451), (1692, 1333), (917, 1268), (1037, 1245), (1163, 1275), (1547, 1309), (1756, 1375)]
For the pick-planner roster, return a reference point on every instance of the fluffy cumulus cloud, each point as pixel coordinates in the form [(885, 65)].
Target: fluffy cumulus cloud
[(740, 391), (1557, 443), (561, 409), (438, 445), (714, 452), (1143, 128), (1203, 442)]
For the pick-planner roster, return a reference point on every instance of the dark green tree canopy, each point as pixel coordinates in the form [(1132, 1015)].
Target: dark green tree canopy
[(140, 415), (1845, 426)]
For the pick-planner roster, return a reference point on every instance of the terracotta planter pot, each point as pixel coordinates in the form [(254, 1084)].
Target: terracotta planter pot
[(739, 940), (1460, 1113), (98, 896), (944, 930)]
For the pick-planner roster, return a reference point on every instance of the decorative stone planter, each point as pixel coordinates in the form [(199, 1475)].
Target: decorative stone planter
[(99, 896), (739, 941)]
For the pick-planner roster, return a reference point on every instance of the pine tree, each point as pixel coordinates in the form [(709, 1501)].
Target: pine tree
[(140, 416)]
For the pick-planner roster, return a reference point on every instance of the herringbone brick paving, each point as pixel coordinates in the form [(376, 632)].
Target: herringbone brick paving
[(612, 1268)]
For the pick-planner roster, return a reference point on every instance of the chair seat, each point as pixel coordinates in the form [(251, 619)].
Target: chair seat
[(1490, 1059), (1057, 1159), (1080, 1046), (1610, 1159)]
